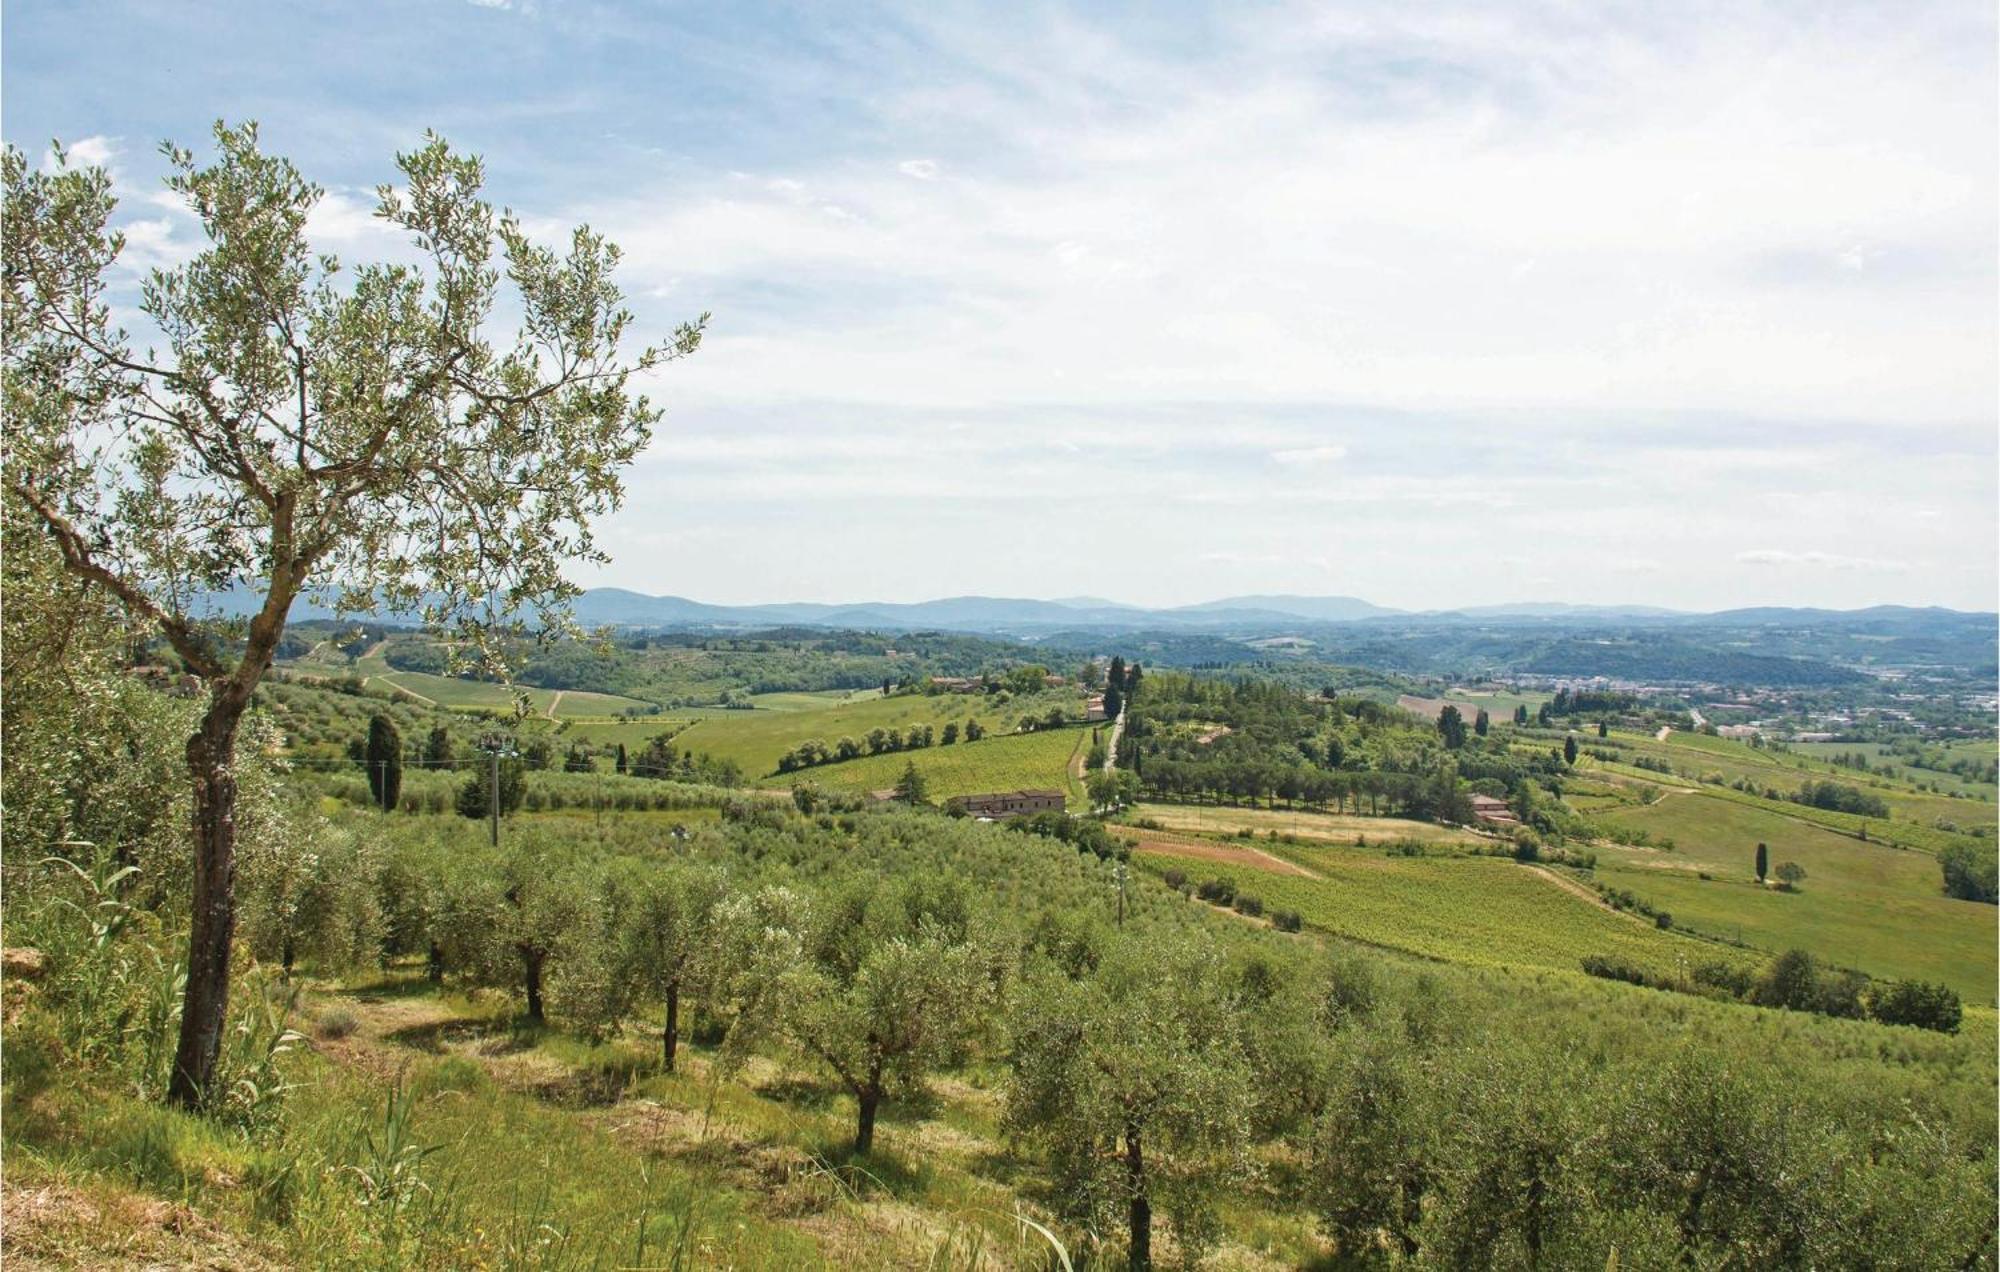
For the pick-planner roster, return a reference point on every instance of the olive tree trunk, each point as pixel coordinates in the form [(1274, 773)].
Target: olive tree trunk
[(211, 757), (531, 965), (1140, 1247), (868, 1095), (670, 1035)]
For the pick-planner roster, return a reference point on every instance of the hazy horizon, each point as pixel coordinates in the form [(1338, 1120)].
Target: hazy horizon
[(1691, 308)]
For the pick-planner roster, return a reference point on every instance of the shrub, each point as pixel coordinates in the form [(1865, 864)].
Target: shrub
[(1217, 891), (1250, 905), (1352, 988), (1174, 877), (1840, 995), (336, 1022), (1724, 976), (1614, 969), (1662, 920), (1970, 873), (1920, 1004), (1286, 920), (1791, 981)]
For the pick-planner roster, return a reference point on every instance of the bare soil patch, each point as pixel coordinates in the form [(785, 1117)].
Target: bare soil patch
[(1209, 850)]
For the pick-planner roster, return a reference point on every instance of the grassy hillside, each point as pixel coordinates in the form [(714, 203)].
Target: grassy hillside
[(1015, 762), (1866, 905), (453, 694), (436, 1128), (1696, 756), (755, 739), (1475, 910)]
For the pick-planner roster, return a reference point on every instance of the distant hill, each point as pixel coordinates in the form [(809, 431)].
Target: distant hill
[(1323, 609), (1332, 622), (1546, 609)]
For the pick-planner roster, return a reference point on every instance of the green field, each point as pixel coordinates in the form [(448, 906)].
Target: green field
[(756, 739), (817, 700), (1498, 704), (1877, 753), (1015, 762), (1474, 910), (1700, 755), (1864, 905), (1319, 827), (454, 694)]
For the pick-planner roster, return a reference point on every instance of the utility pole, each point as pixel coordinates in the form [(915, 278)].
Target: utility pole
[(495, 745), (493, 792), (1121, 894)]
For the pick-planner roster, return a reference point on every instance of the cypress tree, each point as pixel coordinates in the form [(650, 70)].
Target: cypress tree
[(384, 758), (1763, 861)]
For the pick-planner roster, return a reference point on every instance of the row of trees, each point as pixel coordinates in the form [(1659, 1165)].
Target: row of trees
[(879, 741), (1120, 683), (1796, 981), (1840, 798), (1435, 796)]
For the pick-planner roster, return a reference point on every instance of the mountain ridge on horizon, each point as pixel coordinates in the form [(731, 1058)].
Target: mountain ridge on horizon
[(625, 607)]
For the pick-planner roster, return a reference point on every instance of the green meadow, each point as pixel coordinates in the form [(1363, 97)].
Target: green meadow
[(1482, 911), (1879, 909), (756, 739), (1016, 761)]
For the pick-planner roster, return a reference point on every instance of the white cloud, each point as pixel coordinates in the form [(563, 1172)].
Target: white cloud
[(96, 151), (1309, 455), (1814, 559), (1242, 225), (345, 223)]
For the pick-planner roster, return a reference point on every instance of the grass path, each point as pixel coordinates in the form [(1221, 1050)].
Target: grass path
[(1576, 889), (768, 1137)]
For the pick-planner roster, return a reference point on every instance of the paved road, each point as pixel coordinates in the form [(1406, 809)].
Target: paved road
[(1111, 752)]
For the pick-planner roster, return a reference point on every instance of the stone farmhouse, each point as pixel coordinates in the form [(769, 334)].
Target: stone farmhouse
[(1004, 804)]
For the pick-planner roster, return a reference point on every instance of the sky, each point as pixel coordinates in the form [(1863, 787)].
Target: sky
[(1692, 305)]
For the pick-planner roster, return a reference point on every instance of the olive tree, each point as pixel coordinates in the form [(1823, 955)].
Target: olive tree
[(505, 916), (309, 890), (887, 987), (671, 928), (302, 428), (1134, 1083)]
